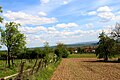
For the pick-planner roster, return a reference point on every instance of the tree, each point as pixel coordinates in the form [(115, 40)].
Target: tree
[(12, 39), (61, 51), (80, 50), (116, 36), (106, 48), (116, 32), (47, 53), (1, 19)]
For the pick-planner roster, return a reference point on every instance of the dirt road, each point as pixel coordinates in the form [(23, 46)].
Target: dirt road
[(86, 69)]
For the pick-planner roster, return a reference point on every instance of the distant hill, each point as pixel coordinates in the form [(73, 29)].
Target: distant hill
[(92, 43)]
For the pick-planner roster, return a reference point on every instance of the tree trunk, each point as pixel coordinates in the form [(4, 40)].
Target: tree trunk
[(12, 61), (106, 57), (118, 59), (8, 57), (6, 60)]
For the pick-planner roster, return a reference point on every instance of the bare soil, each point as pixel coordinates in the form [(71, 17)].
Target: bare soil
[(86, 69)]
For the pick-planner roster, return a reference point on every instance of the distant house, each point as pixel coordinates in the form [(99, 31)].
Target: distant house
[(90, 49), (72, 50)]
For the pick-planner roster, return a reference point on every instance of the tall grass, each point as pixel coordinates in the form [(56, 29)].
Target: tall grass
[(4, 71), (46, 73)]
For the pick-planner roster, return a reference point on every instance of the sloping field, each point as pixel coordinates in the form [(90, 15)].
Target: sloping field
[(86, 69)]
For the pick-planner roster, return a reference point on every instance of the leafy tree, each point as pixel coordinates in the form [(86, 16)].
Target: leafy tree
[(80, 50), (38, 52), (61, 51), (70, 50), (116, 36), (12, 39), (1, 19), (106, 48), (48, 55), (116, 32)]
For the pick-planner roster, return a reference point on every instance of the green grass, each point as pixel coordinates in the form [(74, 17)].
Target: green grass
[(4, 71), (45, 74), (85, 55)]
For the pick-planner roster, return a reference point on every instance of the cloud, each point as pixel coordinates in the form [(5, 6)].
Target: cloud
[(32, 30), (38, 30), (44, 1), (92, 13), (104, 9), (24, 18), (68, 25), (106, 15), (105, 12), (66, 2), (89, 25), (42, 14)]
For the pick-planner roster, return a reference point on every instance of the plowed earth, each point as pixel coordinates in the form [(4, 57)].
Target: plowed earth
[(86, 69)]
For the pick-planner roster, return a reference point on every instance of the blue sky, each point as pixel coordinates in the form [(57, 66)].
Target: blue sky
[(66, 21)]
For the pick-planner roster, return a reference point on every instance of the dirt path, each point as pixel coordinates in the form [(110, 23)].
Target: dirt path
[(86, 69)]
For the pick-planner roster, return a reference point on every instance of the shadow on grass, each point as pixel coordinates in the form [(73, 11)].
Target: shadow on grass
[(102, 61)]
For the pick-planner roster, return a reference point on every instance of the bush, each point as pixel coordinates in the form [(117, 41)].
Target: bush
[(62, 53), (65, 54)]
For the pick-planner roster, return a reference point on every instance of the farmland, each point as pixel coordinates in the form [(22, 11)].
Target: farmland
[(86, 69)]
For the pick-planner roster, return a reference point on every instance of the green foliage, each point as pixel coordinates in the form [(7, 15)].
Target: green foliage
[(116, 36), (65, 53), (3, 55), (116, 32), (79, 50), (106, 48), (48, 55), (1, 19), (12, 39), (61, 51)]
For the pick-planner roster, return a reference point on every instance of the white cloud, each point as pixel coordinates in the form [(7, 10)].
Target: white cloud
[(92, 13), (69, 25), (89, 25), (51, 29), (44, 1), (32, 30), (104, 9), (106, 15), (66, 2), (116, 18), (38, 29), (24, 18), (42, 14)]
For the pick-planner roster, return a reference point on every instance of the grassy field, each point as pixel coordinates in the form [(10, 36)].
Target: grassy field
[(85, 55), (86, 69), (44, 74), (4, 71)]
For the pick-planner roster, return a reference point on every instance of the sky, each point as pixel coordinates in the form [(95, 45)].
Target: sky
[(61, 21)]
